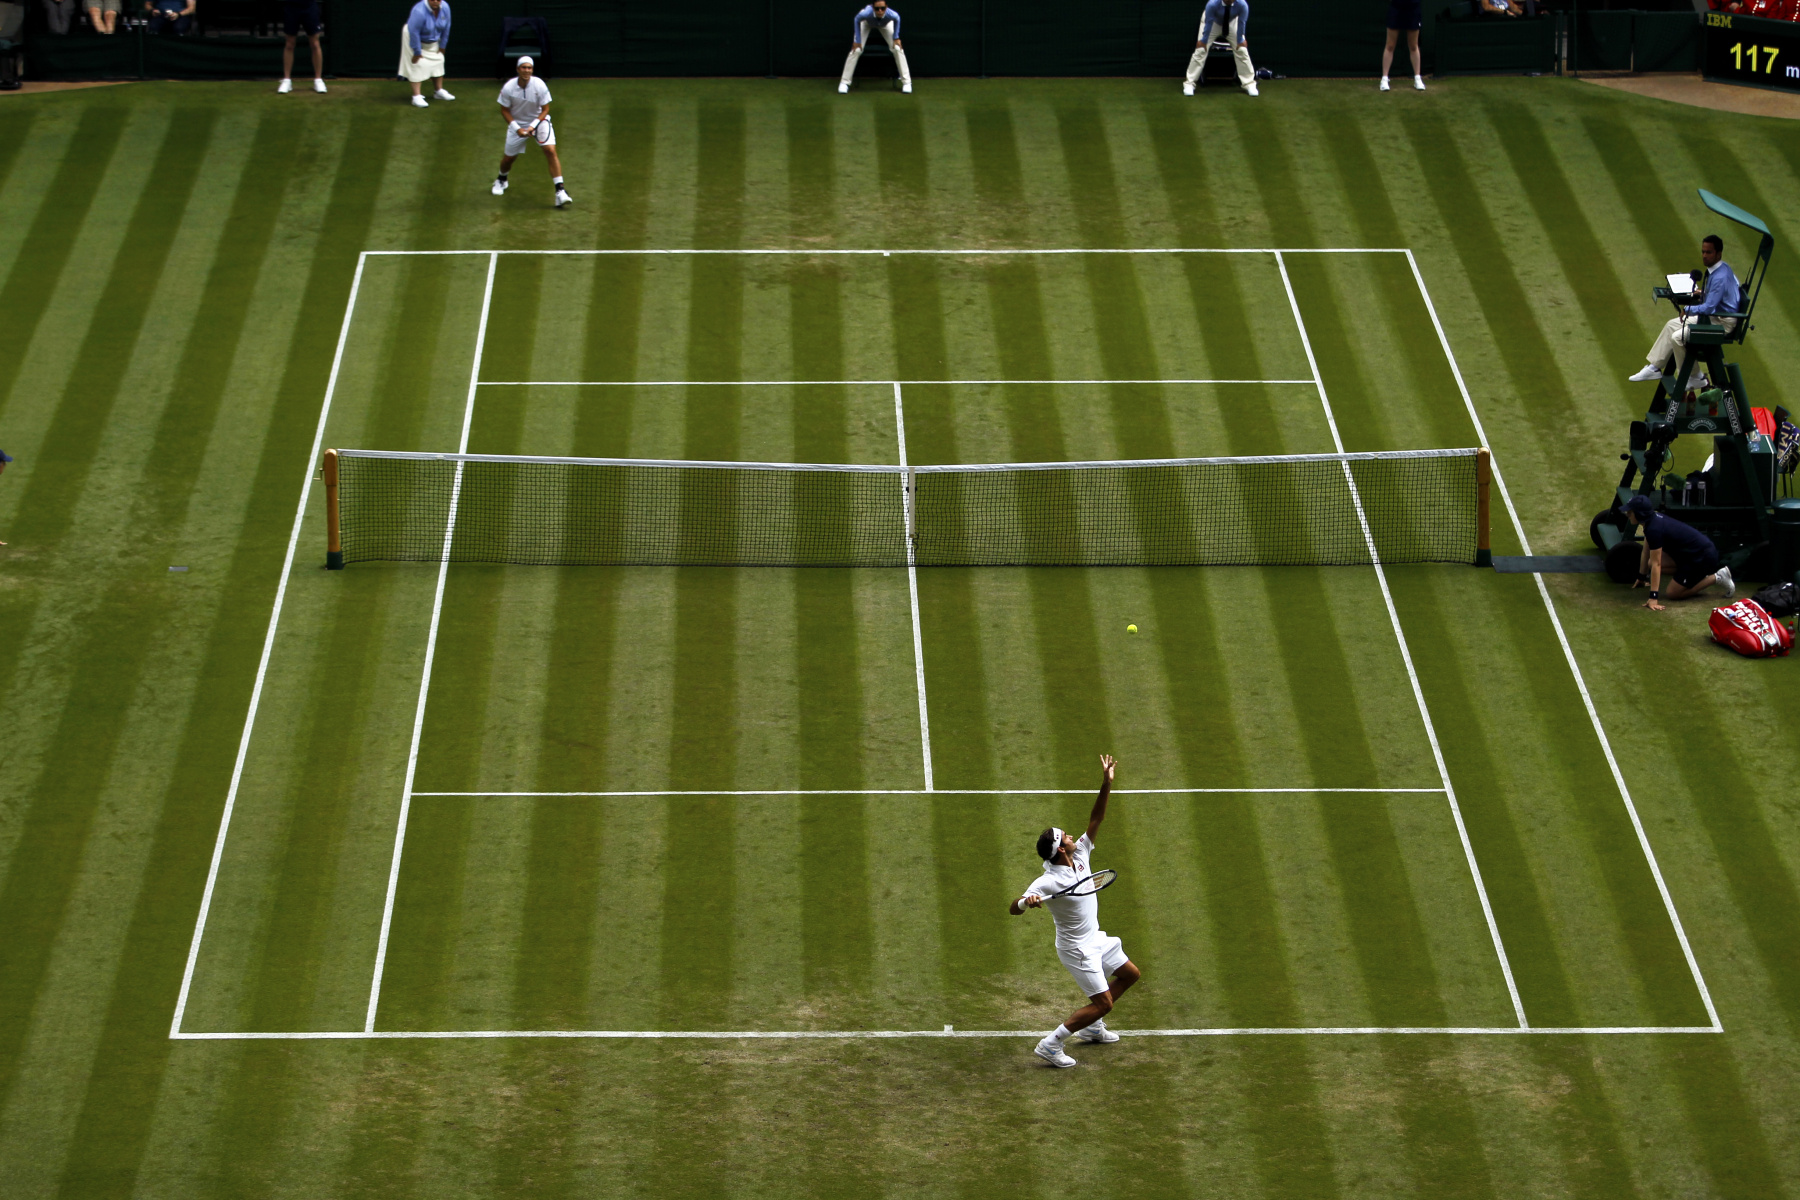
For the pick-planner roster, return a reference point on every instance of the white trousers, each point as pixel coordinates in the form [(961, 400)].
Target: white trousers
[(1671, 342), (1245, 72), (887, 31)]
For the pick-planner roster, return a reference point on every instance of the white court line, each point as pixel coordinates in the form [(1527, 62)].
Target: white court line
[(1562, 639), (912, 587), (808, 1035), (1437, 754), (838, 382), (1186, 791), (262, 665), (953, 253), (437, 609)]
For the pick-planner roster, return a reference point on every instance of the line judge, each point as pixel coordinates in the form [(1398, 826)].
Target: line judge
[(872, 18), (1232, 19), (422, 42)]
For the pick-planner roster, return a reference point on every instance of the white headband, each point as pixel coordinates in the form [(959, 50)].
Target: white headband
[(525, 61), (1056, 837)]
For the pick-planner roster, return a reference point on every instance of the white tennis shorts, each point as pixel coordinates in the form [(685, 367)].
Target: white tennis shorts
[(1092, 962), (516, 145)]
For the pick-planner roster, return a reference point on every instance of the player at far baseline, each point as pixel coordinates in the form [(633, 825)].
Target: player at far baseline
[(526, 101), (1071, 892)]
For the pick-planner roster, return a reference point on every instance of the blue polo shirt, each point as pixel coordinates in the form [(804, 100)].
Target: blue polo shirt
[(1688, 545)]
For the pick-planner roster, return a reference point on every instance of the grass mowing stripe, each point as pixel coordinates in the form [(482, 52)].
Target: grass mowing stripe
[(1587, 1127), (43, 869), (122, 1097), (1660, 226), (700, 869), (1586, 266), (13, 133), (1532, 367), (87, 154), (905, 172), (1388, 939), (424, 946), (837, 935)]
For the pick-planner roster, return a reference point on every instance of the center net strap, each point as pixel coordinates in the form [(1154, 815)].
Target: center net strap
[(1420, 506)]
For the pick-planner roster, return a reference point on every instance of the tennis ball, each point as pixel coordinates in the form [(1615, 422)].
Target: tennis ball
[(1131, 629)]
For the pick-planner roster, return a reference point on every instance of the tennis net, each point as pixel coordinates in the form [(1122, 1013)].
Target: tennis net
[(1405, 506)]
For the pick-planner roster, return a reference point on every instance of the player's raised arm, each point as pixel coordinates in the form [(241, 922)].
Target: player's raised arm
[(1099, 813)]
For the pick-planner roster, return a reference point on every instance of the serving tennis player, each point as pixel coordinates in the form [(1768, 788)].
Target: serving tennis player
[(1071, 892), (526, 100)]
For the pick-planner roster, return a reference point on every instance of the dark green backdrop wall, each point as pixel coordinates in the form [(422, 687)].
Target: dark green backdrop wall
[(807, 38)]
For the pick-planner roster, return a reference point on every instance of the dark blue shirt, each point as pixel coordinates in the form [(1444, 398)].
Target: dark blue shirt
[(1684, 542)]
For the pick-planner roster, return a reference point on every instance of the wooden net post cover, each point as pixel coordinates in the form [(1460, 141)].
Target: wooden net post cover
[(334, 545), (1484, 473)]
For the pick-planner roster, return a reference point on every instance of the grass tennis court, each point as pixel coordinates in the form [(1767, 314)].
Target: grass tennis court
[(656, 800)]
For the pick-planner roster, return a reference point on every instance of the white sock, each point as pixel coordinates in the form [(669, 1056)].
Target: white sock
[(558, 182), (1061, 1035)]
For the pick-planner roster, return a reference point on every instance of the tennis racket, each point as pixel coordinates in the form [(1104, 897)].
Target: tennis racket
[(1099, 881), (538, 129)]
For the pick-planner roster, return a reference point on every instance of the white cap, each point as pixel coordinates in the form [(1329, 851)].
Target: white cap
[(525, 61)]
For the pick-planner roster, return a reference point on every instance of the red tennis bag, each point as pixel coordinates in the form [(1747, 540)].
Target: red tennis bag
[(1746, 628)]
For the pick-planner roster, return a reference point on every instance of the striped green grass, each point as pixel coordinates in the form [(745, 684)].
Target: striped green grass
[(173, 284)]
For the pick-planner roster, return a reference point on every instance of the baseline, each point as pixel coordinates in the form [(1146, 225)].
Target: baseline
[(947, 1031), (954, 253), (839, 382), (1186, 791)]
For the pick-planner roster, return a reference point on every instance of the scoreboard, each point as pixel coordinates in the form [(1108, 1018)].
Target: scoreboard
[(1753, 50)]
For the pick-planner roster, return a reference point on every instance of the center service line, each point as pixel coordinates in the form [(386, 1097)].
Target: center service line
[(909, 501)]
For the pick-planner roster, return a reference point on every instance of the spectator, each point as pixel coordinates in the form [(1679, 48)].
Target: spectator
[(297, 15), (170, 16), (59, 15), (103, 15), (422, 42), (1403, 16), (872, 18)]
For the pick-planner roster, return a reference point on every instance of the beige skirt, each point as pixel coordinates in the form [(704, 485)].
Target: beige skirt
[(430, 64)]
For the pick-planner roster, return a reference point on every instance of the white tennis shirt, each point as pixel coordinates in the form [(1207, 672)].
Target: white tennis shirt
[(1077, 917), (525, 103)]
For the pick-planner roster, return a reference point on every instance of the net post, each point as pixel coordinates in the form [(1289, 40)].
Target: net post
[(334, 545), (1484, 473)]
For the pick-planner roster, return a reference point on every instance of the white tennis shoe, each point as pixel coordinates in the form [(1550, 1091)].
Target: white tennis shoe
[(499, 188), (287, 85), (1097, 1033), (563, 199), (1052, 1053), (1187, 89), (1418, 83), (319, 86), (421, 102), (1250, 88), (1384, 84), (1645, 374), (1723, 575), (843, 89), (440, 94), (907, 88)]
